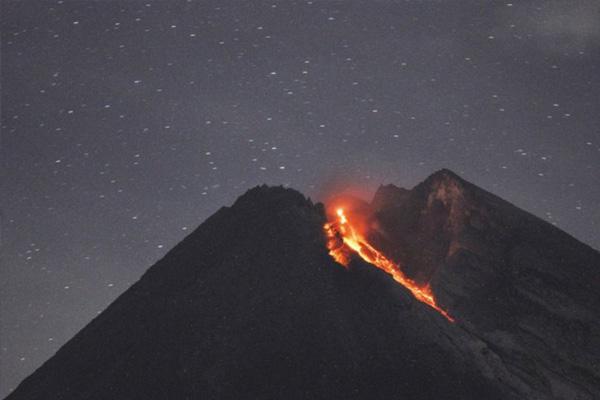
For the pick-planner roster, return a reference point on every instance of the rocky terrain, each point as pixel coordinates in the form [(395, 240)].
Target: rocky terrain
[(528, 290), (250, 305)]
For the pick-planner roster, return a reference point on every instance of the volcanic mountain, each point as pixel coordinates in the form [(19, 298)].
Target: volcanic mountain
[(254, 305)]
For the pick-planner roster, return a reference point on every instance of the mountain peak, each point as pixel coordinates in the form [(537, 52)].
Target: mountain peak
[(445, 186), (263, 203), (274, 195), (444, 174)]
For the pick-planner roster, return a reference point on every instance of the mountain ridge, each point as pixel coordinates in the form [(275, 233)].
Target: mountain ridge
[(475, 248), (250, 305)]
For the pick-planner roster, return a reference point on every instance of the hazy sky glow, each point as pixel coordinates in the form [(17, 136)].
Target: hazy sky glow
[(125, 124)]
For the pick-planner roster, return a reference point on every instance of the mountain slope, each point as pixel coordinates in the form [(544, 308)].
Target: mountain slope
[(250, 305), (527, 289)]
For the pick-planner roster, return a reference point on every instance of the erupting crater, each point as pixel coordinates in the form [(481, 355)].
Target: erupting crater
[(344, 239)]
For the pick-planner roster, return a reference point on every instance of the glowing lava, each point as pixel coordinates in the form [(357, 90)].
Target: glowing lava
[(343, 238)]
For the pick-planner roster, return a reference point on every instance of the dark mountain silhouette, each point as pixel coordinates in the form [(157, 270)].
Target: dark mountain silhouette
[(250, 305), (525, 288)]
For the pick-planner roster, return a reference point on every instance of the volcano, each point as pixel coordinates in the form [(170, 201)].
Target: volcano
[(254, 305)]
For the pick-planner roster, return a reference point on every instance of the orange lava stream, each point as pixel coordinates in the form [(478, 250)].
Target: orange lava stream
[(342, 237)]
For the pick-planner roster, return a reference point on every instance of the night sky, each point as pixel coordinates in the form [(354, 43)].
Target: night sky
[(125, 124)]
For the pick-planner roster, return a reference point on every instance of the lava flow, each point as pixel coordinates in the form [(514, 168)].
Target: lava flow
[(343, 238)]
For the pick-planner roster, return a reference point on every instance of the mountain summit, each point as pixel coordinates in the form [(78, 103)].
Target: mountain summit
[(521, 285), (251, 305)]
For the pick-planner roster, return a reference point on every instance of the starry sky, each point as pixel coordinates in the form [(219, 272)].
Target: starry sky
[(125, 124)]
